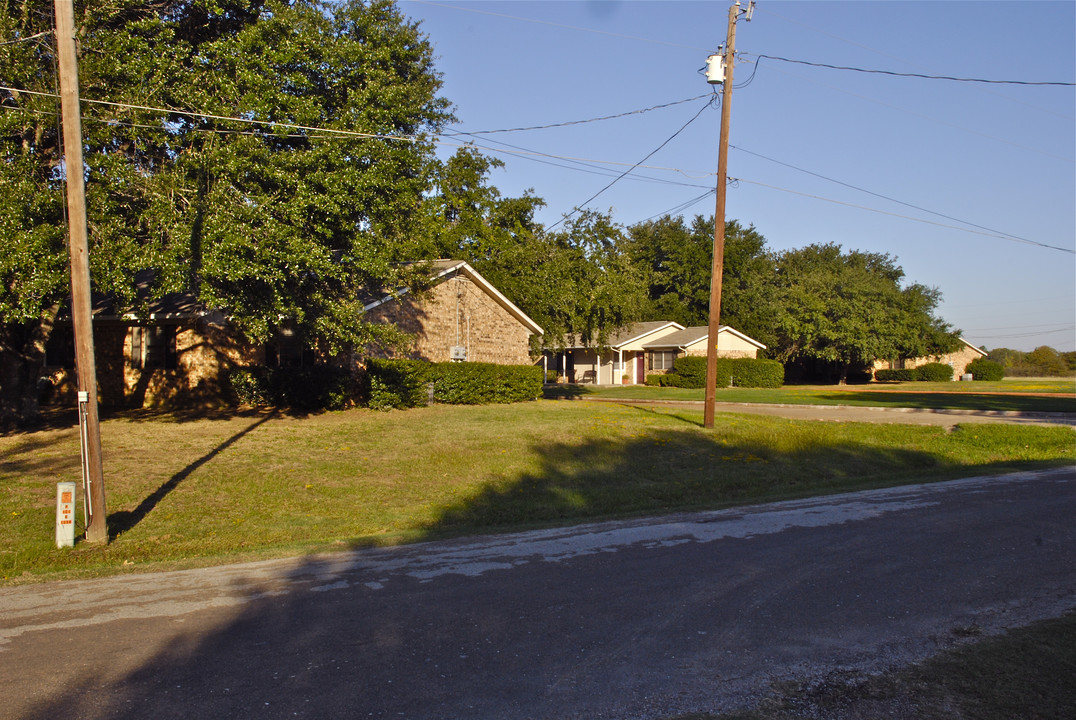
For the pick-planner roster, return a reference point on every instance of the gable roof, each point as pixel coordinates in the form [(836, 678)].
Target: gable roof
[(696, 334), (638, 331), (982, 353), (441, 270), (627, 334)]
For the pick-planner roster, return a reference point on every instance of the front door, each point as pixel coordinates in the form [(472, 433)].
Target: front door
[(640, 368)]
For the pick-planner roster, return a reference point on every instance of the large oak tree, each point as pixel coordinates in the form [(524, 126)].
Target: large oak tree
[(266, 155)]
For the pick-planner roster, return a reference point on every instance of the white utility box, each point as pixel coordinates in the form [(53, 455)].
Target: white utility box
[(65, 514)]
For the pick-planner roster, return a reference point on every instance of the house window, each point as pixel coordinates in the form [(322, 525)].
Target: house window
[(154, 347), (60, 347), (661, 359), (287, 351)]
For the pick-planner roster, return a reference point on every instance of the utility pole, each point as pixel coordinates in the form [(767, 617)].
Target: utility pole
[(79, 251), (722, 74)]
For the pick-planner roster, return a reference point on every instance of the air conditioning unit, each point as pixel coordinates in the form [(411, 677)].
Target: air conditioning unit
[(458, 352)]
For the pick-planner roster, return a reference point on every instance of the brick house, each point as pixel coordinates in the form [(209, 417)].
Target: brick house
[(645, 348), (461, 317), (177, 353), (180, 352), (731, 343), (958, 360)]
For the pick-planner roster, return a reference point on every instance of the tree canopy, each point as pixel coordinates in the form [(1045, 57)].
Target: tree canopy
[(266, 155), (850, 309), (676, 259)]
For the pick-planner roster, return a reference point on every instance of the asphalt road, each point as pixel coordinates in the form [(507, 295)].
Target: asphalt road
[(639, 619)]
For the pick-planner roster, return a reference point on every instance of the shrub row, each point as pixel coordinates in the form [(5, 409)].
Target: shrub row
[(987, 370), (321, 387), (411, 383), (931, 372), (690, 372)]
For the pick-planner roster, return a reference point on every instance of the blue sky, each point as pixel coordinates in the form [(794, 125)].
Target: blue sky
[(929, 171)]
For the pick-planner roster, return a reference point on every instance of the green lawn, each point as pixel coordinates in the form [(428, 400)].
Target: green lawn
[(1024, 395), (199, 491)]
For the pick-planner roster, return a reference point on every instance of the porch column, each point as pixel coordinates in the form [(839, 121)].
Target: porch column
[(620, 362)]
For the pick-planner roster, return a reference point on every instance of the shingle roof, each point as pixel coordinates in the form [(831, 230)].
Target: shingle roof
[(695, 334)]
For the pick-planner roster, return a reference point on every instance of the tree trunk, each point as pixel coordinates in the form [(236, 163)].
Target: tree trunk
[(844, 374)]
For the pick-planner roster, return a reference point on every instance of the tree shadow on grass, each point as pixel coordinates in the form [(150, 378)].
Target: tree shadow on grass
[(673, 470), (121, 521)]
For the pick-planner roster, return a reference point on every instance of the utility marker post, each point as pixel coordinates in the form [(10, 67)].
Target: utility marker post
[(725, 80), (79, 250)]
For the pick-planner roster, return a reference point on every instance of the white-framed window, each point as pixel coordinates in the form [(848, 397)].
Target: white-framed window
[(660, 359)]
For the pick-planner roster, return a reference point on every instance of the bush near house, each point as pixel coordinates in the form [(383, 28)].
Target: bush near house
[(391, 384), (986, 370), (935, 372), (931, 372), (756, 373), (690, 372), (321, 387), (901, 375)]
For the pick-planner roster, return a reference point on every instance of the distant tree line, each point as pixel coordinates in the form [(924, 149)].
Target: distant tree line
[(1043, 361)]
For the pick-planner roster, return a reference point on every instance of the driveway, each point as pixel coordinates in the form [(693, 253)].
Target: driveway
[(849, 413), (641, 619)]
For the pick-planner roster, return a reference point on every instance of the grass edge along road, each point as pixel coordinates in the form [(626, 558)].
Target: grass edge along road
[(1024, 673), (185, 492)]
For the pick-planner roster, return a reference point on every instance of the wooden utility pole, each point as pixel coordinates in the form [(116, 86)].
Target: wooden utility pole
[(79, 250), (719, 223)]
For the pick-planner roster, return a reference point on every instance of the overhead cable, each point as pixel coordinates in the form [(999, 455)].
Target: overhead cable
[(906, 217), (921, 76), (885, 197), (714, 97), (581, 122)]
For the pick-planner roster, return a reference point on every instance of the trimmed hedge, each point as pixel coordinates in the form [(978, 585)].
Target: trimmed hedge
[(902, 375), (754, 373), (931, 372), (988, 370), (690, 372), (935, 372), (409, 383), (321, 387)]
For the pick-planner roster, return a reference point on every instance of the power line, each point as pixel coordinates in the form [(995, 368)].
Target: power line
[(904, 217), (519, 152), (590, 120), (921, 76), (885, 197), (626, 172), (682, 206), (27, 38)]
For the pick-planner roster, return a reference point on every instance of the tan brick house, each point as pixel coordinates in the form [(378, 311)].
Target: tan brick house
[(731, 343), (180, 353), (646, 348), (462, 317), (958, 360)]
